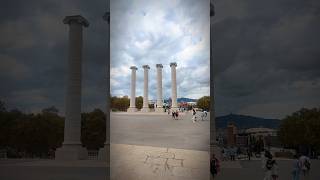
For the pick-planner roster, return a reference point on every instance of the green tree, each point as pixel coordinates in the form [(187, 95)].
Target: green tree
[(139, 102), (302, 128), (93, 133), (204, 103)]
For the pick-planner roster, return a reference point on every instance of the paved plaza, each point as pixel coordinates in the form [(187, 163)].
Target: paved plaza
[(160, 130), (148, 146)]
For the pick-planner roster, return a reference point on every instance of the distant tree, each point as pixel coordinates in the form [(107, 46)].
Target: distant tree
[(204, 103), (93, 133), (50, 109), (139, 102), (301, 129), (120, 103)]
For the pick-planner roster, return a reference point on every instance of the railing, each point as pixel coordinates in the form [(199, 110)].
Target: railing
[(3, 154), (93, 154)]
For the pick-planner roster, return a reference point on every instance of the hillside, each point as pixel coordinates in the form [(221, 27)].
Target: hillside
[(244, 122)]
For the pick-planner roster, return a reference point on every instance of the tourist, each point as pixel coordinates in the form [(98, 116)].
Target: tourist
[(202, 116), (296, 168), (214, 165), (173, 115), (194, 115), (177, 114), (274, 170), (305, 165), (249, 153), (269, 163)]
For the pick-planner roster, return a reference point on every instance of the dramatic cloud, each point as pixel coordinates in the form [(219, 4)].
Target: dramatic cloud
[(160, 32), (266, 53), (266, 56)]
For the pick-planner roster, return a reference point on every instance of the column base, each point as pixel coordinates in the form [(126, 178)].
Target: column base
[(132, 109), (71, 152), (159, 109), (104, 153), (145, 109)]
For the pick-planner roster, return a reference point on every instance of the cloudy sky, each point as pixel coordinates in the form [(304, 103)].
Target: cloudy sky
[(160, 32), (266, 53)]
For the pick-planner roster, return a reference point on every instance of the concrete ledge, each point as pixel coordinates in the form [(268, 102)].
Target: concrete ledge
[(71, 152)]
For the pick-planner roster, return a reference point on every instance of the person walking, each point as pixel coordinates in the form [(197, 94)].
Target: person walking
[(194, 115), (305, 165), (214, 166), (296, 168), (177, 114), (266, 160), (173, 115), (268, 169), (274, 170)]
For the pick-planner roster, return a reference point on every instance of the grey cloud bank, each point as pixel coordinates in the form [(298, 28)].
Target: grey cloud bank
[(266, 53)]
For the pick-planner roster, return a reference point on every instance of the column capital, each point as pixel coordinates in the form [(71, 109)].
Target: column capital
[(134, 67), (146, 67), (76, 18), (159, 66), (173, 64)]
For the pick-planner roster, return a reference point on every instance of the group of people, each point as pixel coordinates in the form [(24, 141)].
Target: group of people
[(229, 153), (194, 115), (175, 114), (270, 166), (301, 165)]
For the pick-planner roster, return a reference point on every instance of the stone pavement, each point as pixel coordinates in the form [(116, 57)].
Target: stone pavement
[(132, 162), (160, 130)]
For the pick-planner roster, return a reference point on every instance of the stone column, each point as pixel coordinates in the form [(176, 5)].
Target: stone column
[(72, 148), (159, 89), (132, 107), (214, 149), (174, 104), (104, 153), (145, 107)]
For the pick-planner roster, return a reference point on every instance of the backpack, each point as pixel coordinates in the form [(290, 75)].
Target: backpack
[(307, 164), (269, 164)]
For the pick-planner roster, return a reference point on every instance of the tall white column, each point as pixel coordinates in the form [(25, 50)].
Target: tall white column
[(132, 107), (104, 153), (145, 107), (72, 148), (174, 104), (159, 107)]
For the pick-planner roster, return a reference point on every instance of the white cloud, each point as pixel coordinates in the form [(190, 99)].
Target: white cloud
[(153, 32)]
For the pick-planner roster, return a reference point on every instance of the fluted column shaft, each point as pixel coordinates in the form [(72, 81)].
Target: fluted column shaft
[(72, 130), (159, 88), (71, 148), (174, 103), (145, 107), (133, 87)]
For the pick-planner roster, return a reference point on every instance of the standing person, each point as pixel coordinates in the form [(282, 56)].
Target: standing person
[(296, 168), (305, 165), (194, 115), (177, 114), (268, 168), (214, 165), (249, 153), (274, 170)]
